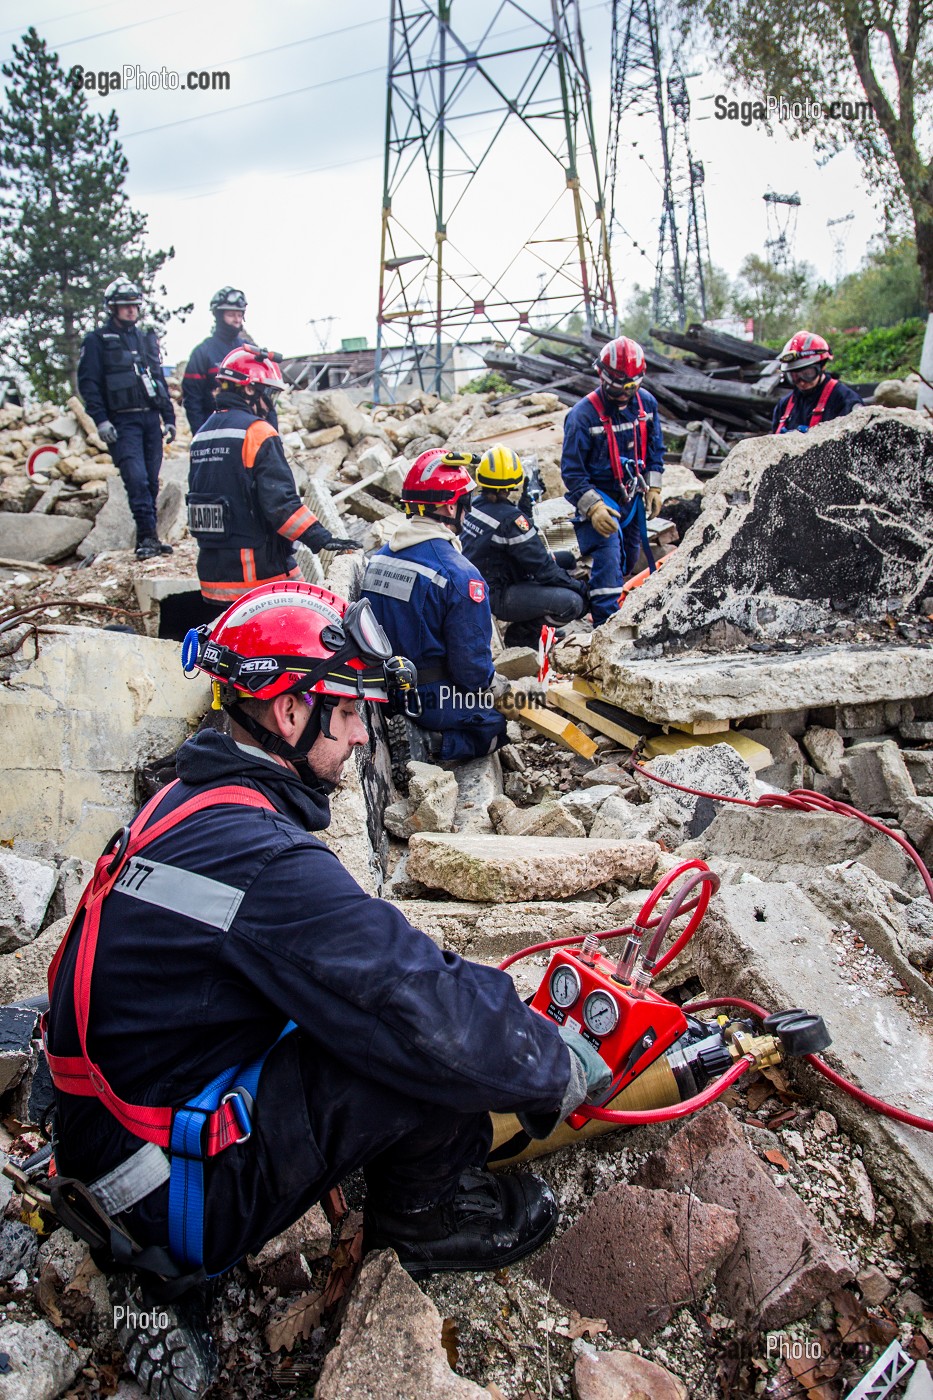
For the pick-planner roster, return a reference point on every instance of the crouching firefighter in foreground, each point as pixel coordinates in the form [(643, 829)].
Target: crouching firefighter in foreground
[(235, 1026)]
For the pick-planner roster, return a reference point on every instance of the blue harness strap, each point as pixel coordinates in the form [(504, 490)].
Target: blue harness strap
[(187, 1151)]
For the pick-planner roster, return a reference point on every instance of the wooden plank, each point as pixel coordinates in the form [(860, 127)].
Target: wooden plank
[(554, 726), (605, 719), (702, 726), (755, 754)]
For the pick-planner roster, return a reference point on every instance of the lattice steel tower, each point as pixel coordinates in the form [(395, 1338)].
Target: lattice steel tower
[(639, 89), (470, 223)]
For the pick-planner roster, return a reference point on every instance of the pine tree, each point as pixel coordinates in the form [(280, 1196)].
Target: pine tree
[(67, 227)]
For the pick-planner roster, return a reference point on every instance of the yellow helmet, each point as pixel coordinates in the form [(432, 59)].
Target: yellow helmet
[(500, 469)]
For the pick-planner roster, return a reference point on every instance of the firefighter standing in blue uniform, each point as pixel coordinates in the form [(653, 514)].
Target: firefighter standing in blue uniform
[(238, 939), (611, 463), (199, 382), (815, 396), (243, 507), (121, 381), (434, 605), (527, 586)]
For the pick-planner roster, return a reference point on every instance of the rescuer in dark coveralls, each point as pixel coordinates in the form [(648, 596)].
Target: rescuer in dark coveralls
[(434, 606), (815, 396), (237, 921), (611, 463), (243, 507), (527, 586), (199, 381), (121, 381)]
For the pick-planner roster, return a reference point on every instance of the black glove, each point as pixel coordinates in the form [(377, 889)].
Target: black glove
[(578, 586), (107, 432), (168, 433), (318, 537)]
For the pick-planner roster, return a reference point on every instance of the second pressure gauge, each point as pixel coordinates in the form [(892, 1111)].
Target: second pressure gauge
[(600, 1013)]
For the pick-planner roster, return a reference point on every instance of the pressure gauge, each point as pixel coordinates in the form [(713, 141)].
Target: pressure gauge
[(565, 985), (600, 1013)]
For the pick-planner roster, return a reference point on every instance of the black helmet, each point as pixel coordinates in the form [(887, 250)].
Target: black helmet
[(123, 292), (228, 299)]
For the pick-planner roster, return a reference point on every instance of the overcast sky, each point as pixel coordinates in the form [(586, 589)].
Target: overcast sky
[(276, 185)]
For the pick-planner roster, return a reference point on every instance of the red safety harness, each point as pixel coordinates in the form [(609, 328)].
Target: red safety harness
[(639, 431), (816, 416), (78, 1074)]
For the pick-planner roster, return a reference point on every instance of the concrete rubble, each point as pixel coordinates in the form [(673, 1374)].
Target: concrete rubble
[(785, 645)]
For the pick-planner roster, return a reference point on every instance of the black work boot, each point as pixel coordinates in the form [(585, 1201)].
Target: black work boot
[(492, 1220), (163, 547), (407, 742), (148, 547), (167, 1346)]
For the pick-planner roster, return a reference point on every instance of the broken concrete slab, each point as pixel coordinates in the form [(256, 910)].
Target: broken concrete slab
[(389, 1346), (877, 779), (772, 844), (770, 944), (431, 804), (826, 750), (857, 541), (586, 802), (545, 819), (622, 1375), (717, 768), (17, 1051), (26, 888), (854, 894), (479, 780), (920, 767), (678, 689), (782, 1264), (517, 663), (516, 868), (40, 539), (40, 1363), (24, 973), (334, 407), (77, 723), (634, 1256)]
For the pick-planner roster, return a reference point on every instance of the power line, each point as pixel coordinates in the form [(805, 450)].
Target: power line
[(311, 38), (56, 19), (257, 102), (86, 38)]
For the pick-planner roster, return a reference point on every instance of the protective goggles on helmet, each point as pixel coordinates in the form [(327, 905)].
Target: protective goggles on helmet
[(357, 639), (622, 386)]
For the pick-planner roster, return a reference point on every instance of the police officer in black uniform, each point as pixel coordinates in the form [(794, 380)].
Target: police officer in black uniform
[(527, 586), (121, 381), (199, 384)]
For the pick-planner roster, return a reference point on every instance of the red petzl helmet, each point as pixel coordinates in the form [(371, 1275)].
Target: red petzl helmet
[(621, 362), (803, 349), (293, 636), (436, 478), (247, 364)]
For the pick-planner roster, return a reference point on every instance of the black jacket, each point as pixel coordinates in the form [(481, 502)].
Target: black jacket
[(200, 377), (501, 540), (117, 362), (181, 993), (841, 401), (243, 507)]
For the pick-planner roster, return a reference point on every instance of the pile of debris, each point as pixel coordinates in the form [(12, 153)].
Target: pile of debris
[(771, 1245)]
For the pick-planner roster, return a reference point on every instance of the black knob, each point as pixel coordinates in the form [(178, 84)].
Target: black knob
[(715, 1060), (771, 1023), (803, 1035)]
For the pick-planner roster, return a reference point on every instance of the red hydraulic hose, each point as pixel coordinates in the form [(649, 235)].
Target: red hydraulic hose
[(900, 1115), (675, 1110), (800, 800)]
